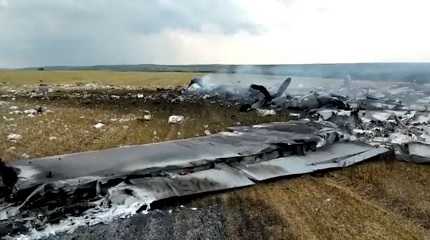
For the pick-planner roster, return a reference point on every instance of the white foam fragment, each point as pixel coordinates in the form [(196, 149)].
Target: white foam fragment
[(13, 137), (147, 117), (266, 112), (99, 125), (176, 119), (30, 111)]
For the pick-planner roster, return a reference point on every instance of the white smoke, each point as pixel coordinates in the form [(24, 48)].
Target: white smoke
[(4, 3)]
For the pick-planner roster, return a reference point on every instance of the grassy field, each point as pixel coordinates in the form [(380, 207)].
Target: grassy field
[(150, 80), (384, 199), (374, 200), (70, 125)]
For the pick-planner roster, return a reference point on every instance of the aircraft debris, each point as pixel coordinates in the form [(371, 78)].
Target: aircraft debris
[(13, 137), (334, 130), (113, 182), (176, 119), (387, 116), (147, 117), (99, 125), (265, 112)]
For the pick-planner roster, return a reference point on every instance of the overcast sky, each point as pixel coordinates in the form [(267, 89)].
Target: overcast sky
[(90, 32)]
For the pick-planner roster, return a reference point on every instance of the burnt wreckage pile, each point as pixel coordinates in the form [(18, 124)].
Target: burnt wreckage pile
[(389, 114), (61, 193)]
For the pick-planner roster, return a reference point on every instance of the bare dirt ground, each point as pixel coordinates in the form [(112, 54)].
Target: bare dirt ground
[(379, 199)]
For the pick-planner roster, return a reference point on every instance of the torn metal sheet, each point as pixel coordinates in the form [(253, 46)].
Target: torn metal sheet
[(90, 186), (333, 156), (416, 152)]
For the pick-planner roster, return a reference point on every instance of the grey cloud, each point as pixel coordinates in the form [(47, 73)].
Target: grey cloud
[(80, 32)]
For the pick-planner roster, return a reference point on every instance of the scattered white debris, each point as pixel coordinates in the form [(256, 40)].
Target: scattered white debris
[(15, 112), (266, 112), (193, 208), (207, 132), (128, 119), (25, 156), (11, 149), (90, 85), (14, 137), (8, 119), (140, 95), (400, 138), (30, 111), (13, 108), (326, 114), (147, 117), (178, 99), (99, 125), (176, 119)]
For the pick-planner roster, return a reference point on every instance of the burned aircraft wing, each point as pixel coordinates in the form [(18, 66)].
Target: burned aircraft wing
[(333, 156), (135, 176)]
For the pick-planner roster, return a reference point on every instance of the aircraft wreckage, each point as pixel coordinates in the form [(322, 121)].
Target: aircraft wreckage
[(60, 193)]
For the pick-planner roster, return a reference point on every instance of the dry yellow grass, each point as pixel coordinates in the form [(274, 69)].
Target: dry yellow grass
[(72, 125), (150, 80), (340, 205)]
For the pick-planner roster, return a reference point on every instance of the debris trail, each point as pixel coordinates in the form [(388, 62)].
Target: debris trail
[(94, 184), (394, 116)]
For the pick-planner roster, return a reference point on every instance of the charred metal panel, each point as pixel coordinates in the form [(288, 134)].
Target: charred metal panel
[(334, 156)]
